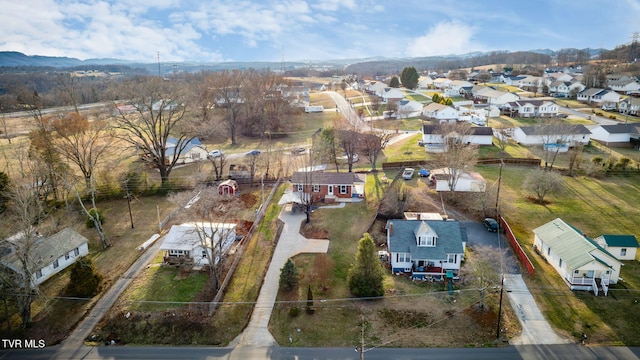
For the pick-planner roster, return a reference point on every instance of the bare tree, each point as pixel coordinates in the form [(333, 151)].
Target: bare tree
[(575, 155), (373, 144), (541, 183), (24, 211), (81, 142), (228, 94), (218, 163), (158, 117), (555, 136), (3, 122), (349, 141), (214, 217), (458, 154), (483, 269)]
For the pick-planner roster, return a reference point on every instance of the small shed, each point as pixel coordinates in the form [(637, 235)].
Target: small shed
[(228, 187)]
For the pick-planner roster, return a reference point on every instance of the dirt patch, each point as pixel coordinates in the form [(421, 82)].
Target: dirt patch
[(311, 231), (249, 200)]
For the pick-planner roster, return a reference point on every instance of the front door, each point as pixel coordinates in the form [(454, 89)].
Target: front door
[(330, 190)]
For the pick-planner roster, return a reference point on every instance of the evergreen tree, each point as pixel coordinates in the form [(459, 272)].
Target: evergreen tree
[(85, 280), (394, 83), (435, 98), (310, 309), (289, 275), (409, 77), (366, 275)]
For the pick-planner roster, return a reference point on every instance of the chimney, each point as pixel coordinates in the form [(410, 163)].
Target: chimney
[(390, 229), (418, 216)]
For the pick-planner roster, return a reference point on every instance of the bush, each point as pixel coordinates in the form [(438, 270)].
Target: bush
[(85, 280), (294, 311), (92, 213)]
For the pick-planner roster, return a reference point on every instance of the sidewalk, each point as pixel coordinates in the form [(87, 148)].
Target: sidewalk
[(291, 243)]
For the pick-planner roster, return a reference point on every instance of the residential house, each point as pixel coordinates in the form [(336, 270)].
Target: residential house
[(618, 135), (579, 260), (625, 86), (441, 83), (328, 186), (468, 181), (565, 87), (425, 82), (192, 243), (49, 255), (434, 140), (426, 249), (559, 76), (440, 112), (569, 134), (531, 108), (599, 96), (377, 88), (392, 94), (623, 247), (457, 88), (408, 108), (493, 97), (193, 150), (514, 80), (629, 106)]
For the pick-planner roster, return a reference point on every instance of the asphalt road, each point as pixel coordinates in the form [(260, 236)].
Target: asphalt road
[(527, 352)]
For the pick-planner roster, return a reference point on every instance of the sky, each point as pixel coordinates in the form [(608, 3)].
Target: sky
[(308, 30)]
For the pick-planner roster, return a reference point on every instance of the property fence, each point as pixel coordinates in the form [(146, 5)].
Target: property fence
[(259, 217), (522, 256), (510, 161)]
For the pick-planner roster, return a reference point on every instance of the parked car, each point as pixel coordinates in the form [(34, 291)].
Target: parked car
[(564, 116), (407, 174), (344, 158), (215, 153), (424, 173), (491, 224), (298, 151), (254, 152)]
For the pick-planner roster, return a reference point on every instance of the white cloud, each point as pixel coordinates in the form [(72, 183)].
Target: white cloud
[(447, 37)]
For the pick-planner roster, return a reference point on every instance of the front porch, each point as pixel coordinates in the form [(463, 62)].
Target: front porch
[(589, 283)]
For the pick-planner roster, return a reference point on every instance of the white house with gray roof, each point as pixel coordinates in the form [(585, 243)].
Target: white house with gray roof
[(567, 134), (426, 249), (581, 262), (47, 255), (617, 135)]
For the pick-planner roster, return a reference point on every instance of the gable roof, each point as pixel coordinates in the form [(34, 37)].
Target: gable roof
[(326, 178), (627, 241), (172, 142), (569, 244), (47, 249), (451, 235), (621, 129), (565, 129), (186, 237)]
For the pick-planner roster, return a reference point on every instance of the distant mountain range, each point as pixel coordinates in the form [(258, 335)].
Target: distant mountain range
[(17, 59)]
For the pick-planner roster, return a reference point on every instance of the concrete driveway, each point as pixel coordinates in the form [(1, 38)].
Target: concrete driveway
[(535, 328)]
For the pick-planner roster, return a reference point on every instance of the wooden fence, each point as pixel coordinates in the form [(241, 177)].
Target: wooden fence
[(515, 245)]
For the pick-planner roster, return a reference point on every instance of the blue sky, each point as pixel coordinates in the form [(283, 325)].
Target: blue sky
[(306, 30)]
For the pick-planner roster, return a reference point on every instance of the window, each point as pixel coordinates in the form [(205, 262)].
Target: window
[(548, 251), (55, 264), (38, 274), (560, 263), (300, 187), (204, 253), (426, 241), (402, 257), (623, 252), (451, 258), (76, 251), (66, 256), (316, 188), (344, 189)]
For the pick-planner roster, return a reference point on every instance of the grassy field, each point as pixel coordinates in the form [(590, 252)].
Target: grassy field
[(595, 206)]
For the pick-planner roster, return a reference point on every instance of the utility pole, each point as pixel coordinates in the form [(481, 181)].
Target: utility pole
[(499, 239), (126, 186), (361, 350)]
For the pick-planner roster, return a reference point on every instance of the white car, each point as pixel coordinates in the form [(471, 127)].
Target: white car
[(215, 153), (407, 174), (344, 158)]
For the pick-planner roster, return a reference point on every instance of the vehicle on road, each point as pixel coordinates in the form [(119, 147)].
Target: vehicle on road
[(491, 224), (298, 151), (253, 152), (215, 153), (424, 173), (345, 158), (314, 109), (407, 174)]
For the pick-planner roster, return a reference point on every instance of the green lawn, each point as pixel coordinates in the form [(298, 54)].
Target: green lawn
[(595, 206)]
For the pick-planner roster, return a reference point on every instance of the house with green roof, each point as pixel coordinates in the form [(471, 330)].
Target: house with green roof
[(624, 247), (581, 262), (426, 249)]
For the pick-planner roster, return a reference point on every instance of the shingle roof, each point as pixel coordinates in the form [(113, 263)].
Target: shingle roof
[(325, 178), (451, 235), (621, 128), (566, 129)]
